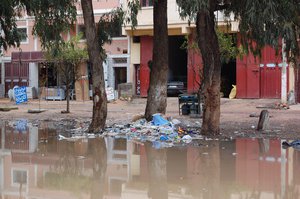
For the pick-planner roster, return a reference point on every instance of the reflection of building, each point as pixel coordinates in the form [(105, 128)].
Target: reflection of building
[(48, 168), (262, 165)]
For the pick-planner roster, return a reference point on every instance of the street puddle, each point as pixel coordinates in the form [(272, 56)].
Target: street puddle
[(34, 163)]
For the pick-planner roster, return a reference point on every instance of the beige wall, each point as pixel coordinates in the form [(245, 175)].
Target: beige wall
[(118, 46), (33, 43), (176, 25), (291, 82)]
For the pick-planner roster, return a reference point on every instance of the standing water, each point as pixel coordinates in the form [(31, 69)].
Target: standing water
[(34, 163)]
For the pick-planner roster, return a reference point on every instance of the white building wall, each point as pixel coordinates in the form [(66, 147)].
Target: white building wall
[(2, 71), (34, 75)]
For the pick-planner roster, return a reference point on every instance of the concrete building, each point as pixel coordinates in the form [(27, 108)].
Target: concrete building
[(128, 58), (254, 77), (24, 66)]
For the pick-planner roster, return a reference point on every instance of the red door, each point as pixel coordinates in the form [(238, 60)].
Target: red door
[(146, 56), (270, 81), (253, 81), (247, 78), (145, 80), (16, 75)]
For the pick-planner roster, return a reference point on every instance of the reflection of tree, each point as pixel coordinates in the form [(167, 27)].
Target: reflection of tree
[(157, 170), (264, 146), (208, 170), (99, 154), (67, 173)]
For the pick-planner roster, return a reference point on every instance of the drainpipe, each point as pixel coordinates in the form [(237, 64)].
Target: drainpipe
[(2, 64), (283, 74), (129, 67), (2, 70)]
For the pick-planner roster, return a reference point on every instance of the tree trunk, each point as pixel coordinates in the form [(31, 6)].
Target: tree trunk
[(157, 168), (68, 95), (209, 47), (157, 93), (99, 94)]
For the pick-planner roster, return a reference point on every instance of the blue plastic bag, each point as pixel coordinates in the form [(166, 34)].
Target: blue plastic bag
[(158, 120)]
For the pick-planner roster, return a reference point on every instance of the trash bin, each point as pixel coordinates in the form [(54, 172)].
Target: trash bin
[(185, 109), (194, 109)]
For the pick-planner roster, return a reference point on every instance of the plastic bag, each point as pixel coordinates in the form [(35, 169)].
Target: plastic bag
[(232, 94)]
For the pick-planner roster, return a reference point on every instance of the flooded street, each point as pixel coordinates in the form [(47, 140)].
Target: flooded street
[(36, 164)]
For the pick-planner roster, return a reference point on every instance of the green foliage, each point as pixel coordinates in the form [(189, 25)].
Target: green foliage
[(189, 9), (52, 17), (266, 22), (260, 22), (68, 52), (9, 11), (66, 58), (228, 48), (110, 23), (133, 8)]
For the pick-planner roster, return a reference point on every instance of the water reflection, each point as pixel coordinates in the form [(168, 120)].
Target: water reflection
[(34, 164)]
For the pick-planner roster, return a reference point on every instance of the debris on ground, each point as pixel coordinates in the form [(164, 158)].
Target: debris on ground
[(254, 115), (36, 110), (278, 105), (282, 106), (295, 144), (160, 131), (8, 108)]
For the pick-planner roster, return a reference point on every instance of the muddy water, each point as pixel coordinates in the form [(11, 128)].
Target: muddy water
[(35, 164)]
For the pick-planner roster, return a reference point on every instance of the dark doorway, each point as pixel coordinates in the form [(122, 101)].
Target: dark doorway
[(120, 76), (47, 75), (177, 62), (228, 77)]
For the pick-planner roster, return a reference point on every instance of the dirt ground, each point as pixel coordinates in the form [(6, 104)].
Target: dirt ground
[(235, 115)]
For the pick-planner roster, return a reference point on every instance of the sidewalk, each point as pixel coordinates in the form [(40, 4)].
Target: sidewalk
[(234, 113)]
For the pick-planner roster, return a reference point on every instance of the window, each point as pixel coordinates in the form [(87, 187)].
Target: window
[(147, 3), (136, 39), (19, 177), (23, 34), (81, 30)]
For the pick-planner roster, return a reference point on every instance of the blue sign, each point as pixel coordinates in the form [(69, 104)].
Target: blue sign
[(20, 94)]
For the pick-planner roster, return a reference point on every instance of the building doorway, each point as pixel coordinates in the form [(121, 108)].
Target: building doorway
[(177, 74), (120, 75), (228, 77)]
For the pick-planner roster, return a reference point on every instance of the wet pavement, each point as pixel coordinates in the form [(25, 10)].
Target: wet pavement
[(36, 163)]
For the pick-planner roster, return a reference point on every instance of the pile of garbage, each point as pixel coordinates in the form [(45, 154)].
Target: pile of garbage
[(161, 132)]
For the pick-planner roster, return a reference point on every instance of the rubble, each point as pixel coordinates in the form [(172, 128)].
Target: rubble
[(161, 132)]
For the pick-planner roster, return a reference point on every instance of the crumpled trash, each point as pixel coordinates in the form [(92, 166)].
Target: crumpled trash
[(158, 120), (160, 132), (295, 144), (163, 138), (187, 138), (176, 121)]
